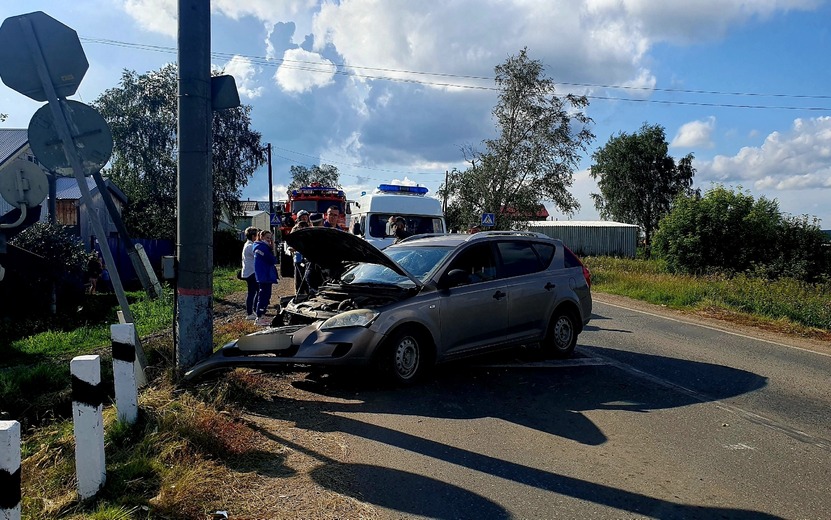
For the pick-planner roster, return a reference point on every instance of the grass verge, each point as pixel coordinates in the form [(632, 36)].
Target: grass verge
[(786, 304)]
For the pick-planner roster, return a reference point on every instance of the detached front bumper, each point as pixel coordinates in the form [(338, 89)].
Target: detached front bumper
[(290, 346)]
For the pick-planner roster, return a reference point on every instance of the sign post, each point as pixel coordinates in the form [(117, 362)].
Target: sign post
[(49, 65)]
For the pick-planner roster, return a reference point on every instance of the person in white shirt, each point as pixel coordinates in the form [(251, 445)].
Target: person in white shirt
[(247, 272)]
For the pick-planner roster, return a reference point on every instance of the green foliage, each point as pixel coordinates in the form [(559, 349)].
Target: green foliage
[(63, 252), (540, 137), (638, 180), (730, 231), (142, 114), (325, 174), (795, 301)]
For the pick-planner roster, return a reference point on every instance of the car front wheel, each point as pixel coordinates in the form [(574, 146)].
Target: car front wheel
[(562, 335), (405, 357)]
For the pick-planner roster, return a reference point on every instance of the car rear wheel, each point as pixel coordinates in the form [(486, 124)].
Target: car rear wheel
[(406, 357), (562, 336)]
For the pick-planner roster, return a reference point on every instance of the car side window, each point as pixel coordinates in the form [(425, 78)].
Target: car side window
[(545, 252), (477, 261), (518, 258)]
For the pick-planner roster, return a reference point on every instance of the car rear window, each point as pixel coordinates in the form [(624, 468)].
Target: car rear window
[(518, 258)]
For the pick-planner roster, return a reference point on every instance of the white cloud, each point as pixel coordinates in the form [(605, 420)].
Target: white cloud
[(798, 159), (695, 134), (244, 73), (154, 15), (302, 71)]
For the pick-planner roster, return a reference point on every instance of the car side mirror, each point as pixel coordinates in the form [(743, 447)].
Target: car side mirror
[(453, 278)]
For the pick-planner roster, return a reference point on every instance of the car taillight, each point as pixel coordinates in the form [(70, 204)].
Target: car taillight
[(587, 275)]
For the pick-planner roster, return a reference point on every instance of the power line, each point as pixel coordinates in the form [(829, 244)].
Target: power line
[(335, 163), (350, 70)]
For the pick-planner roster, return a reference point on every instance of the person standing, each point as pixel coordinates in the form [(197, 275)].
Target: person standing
[(247, 272), (94, 270), (265, 270), (333, 218), (299, 263)]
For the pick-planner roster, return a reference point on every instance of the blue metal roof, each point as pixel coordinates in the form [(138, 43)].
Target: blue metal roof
[(12, 142)]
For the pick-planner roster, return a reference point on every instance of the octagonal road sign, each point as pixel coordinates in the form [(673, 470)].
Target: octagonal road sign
[(61, 50), (90, 133)]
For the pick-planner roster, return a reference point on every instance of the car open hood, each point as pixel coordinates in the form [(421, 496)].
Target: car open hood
[(331, 248)]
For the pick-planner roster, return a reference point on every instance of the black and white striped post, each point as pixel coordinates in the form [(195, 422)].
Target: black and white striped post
[(124, 373), (9, 470), (87, 412)]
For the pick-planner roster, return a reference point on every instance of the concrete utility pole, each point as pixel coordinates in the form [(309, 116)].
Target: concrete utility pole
[(194, 250), (270, 191)]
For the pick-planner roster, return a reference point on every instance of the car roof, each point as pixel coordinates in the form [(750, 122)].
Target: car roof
[(455, 239)]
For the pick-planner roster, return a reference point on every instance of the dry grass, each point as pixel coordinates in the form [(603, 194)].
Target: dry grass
[(237, 443)]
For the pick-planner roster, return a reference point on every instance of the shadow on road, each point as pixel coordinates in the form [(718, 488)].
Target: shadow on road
[(549, 401)]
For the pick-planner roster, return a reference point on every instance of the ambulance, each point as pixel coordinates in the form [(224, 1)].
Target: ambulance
[(370, 215)]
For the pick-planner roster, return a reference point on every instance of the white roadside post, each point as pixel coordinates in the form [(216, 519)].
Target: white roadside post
[(87, 412), (124, 373), (9, 470)]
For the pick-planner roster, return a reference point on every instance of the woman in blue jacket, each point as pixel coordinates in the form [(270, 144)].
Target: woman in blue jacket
[(265, 270)]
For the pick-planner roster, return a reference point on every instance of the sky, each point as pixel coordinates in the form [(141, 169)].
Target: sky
[(391, 91)]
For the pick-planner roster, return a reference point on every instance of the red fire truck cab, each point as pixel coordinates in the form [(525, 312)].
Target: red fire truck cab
[(314, 199)]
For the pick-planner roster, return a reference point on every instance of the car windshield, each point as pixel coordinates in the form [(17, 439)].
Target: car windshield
[(380, 225), (418, 261)]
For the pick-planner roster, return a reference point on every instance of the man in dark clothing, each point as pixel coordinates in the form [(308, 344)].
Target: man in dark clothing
[(400, 231)]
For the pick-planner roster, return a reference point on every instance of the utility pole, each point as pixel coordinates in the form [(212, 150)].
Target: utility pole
[(270, 191), (194, 201), (444, 200)]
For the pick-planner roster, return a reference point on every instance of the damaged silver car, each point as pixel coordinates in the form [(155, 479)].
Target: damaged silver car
[(428, 299)]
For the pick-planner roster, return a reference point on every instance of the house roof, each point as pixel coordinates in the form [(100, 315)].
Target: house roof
[(66, 188), (12, 142), (541, 212), (254, 205)]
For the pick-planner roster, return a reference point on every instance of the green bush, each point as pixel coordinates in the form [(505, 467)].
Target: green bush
[(728, 231)]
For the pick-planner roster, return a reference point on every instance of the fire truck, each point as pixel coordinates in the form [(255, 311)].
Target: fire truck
[(314, 199)]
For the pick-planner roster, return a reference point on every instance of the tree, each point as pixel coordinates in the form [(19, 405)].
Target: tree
[(638, 180), (532, 160), (325, 174), (730, 231), (142, 115)]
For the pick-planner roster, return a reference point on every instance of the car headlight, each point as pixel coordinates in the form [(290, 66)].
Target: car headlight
[(353, 318)]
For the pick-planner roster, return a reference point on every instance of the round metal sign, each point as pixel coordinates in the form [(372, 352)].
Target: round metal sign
[(90, 134), (22, 181), (58, 44)]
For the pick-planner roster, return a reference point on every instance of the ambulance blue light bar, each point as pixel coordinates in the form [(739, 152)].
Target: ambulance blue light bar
[(418, 190)]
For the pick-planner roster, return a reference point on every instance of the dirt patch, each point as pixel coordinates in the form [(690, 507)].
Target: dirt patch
[(297, 466)]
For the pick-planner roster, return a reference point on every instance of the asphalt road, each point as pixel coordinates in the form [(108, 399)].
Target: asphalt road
[(658, 416)]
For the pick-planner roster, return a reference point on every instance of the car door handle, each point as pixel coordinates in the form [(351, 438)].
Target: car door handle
[(549, 286), (498, 295)]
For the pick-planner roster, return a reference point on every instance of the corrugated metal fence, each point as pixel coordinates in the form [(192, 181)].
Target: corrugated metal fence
[(593, 238)]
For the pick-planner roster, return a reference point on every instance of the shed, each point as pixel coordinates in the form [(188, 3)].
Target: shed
[(592, 237)]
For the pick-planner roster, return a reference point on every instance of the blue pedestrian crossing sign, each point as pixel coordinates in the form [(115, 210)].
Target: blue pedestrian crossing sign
[(276, 221), (488, 219)]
